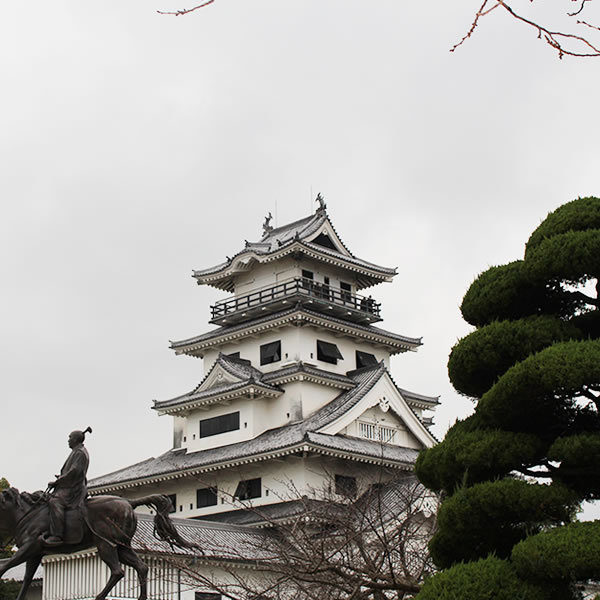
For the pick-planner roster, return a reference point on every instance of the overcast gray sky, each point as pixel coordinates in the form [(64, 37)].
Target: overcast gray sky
[(135, 147)]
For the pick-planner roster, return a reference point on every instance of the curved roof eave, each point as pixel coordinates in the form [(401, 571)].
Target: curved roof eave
[(221, 275)]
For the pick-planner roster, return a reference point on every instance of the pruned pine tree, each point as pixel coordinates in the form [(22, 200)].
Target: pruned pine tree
[(514, 473)]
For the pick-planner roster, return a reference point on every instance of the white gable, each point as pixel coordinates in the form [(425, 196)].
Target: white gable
[(218, 377), (387, 411), (327, 229)]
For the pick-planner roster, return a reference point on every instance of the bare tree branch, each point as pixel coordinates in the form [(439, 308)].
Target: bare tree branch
[(184, 11), (369, 547), (559, 40)]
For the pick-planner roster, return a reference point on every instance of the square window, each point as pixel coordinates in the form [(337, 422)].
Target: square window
[(206, 497), (345, 485), (328, 352), (248, 489), (365, 359), (173, 500), (270, 353)]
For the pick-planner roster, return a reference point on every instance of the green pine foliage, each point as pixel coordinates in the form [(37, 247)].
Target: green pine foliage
[(9, 589), (486, 579), (513, 474)]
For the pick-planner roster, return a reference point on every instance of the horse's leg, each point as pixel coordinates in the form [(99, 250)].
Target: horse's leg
[(131, 559), (32, 564), (20, 556), (110, 556)]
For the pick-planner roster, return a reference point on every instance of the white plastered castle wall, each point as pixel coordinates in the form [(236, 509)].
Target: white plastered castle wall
[(287, 478), (272, 273), (298, 344)]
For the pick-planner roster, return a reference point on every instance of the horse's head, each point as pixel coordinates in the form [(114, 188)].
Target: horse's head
[(11, 508)]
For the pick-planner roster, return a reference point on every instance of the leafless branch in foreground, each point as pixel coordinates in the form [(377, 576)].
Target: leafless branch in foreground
[(371, 546), (565, 44), (185, 11)]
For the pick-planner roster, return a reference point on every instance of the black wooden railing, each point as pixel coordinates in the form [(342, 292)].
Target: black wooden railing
[(299, 286)]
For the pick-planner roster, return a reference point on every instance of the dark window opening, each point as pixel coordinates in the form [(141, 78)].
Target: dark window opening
[(222, 424), (173, 500), (345, 485), (307, 274), (248, 489), (346, 292), (207, 596), (324, 240), (270, 353), (365, 359), (328, 352), (206, 497)]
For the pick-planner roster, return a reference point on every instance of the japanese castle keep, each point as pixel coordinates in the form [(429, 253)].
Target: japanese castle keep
[(296, 395)]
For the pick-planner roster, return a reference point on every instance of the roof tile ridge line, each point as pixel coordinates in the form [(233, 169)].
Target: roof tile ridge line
[(351, 259), (225, 362), (410, 407), (418, 396), (308, 218), (337, 234), (206, 375), (373, 328), (319, 217), (236, 327), (210, 392), (122, 469), (301, 366), (287, 312), (361, 388)]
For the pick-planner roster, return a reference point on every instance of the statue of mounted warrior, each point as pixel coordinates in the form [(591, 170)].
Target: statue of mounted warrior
[(63, 519)]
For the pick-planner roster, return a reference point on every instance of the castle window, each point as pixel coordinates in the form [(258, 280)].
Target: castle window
[(206, 497), (270, 353), (328, 352), (222, 424), (345, 485), (173, 500), (248, 489), (207, 596), (364, 359), (346, 292)]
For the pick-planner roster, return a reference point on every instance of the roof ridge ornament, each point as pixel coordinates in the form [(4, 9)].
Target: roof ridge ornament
[(321, 201), (267, 227)]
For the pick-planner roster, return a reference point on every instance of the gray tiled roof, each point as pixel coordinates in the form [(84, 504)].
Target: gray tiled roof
[(301, 367), (283, 438), (286, 235), (217, 541), (365, 379), (242, 369), (18, 573), (263, 514), (343, 443), (215, 333)]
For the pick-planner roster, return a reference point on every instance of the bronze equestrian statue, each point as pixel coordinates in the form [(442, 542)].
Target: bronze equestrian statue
[(62, 523), (69, 488)]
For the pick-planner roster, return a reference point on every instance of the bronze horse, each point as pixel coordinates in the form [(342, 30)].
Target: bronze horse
[(109, 525)]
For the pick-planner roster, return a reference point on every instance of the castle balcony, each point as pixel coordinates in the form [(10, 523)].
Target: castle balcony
[(319, 297)]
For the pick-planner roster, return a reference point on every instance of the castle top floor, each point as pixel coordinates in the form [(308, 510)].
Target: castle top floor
[(301, 262)]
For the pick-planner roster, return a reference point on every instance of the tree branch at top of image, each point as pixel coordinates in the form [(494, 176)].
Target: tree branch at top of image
[(185, 11), (565, 43)]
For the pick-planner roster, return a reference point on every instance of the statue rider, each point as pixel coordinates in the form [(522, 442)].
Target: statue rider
[(69, 490)]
